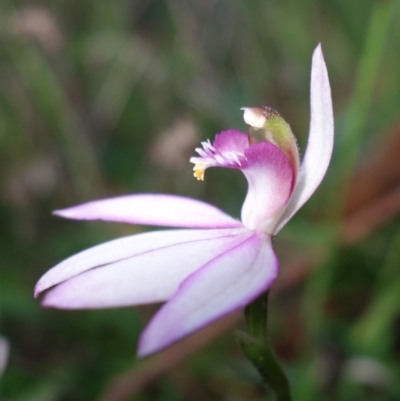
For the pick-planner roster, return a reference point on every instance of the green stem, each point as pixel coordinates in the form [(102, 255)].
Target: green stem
[(257, 347), (256, 315)]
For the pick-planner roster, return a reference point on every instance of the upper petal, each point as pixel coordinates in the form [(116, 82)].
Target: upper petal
[(152, 209), (270, 182), (320, 140), (140, 269), (225, 284), (227, 151)]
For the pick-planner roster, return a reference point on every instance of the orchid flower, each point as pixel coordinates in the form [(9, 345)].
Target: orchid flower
[(217, 264)]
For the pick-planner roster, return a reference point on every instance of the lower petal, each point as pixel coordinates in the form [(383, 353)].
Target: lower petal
[(225, 284), (151, 275)]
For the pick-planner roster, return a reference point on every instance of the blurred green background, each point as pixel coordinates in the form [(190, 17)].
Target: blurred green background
[(102, 98)]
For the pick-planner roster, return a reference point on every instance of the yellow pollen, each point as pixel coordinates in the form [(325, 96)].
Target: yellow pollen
[(199, 171)]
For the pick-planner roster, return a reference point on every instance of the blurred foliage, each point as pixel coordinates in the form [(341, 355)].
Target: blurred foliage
[(111, 97)]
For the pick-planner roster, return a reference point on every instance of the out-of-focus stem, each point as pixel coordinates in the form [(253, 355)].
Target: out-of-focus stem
[(362, 99)]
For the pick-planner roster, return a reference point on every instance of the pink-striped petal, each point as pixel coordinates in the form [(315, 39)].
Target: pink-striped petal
[(157, 264), (152, 209), (320, 141), (225, 284), (270, 182)]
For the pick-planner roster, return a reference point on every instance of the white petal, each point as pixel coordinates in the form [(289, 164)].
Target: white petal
[(159, 262), (152, 209), (320, 141), (227, 283)]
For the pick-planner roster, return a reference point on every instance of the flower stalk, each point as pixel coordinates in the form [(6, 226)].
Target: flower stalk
[(258, 350)]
